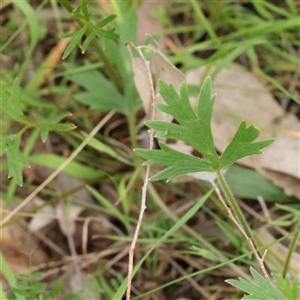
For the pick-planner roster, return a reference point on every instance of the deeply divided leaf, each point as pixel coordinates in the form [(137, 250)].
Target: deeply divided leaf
[(173, 160), (192, 129), (261, 290), (195, 130), (52, 124), (9, 144), (10, 101), (241, 145)]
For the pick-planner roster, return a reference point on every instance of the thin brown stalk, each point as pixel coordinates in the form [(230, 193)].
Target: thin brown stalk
[(145, 185)]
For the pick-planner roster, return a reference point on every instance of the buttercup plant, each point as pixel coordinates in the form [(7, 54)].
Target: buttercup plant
[(195, 130)]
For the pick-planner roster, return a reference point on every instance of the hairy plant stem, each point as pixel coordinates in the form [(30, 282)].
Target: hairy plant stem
[(234, 205)]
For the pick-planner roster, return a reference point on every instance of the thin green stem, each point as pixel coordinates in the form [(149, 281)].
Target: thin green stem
[(291, 250), (200, 17), (234, 205)]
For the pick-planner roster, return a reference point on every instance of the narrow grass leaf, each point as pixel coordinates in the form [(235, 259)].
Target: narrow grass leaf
[(280, 87), (277, 9), (201, 18), (99, 146), (31, 17), (106, 203), (73, 168), (261, 9)]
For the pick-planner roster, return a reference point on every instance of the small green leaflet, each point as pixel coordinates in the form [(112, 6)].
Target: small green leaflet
[(195, 130), (9, 144), (77, 35), (90, 31), (51, 124), (10, 102), (261, 291), (178, 163), (288, 285)]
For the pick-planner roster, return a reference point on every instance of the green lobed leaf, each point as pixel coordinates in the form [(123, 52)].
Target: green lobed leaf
[(100, 94), (196, 131), (10, 102), (50, 124), (262, 290), (241, 145), (9, 144), (174, 161), (288, 285), (74, 168), (192, 129)]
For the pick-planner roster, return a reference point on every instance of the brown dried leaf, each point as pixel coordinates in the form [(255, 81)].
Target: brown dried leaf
[(19, 247), (161, 69), (147, 24)]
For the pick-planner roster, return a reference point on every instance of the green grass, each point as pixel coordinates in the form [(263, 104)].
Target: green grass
[(186, 238)]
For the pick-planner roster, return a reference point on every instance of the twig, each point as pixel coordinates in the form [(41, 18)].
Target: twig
[(59, 169), (145, 185)]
